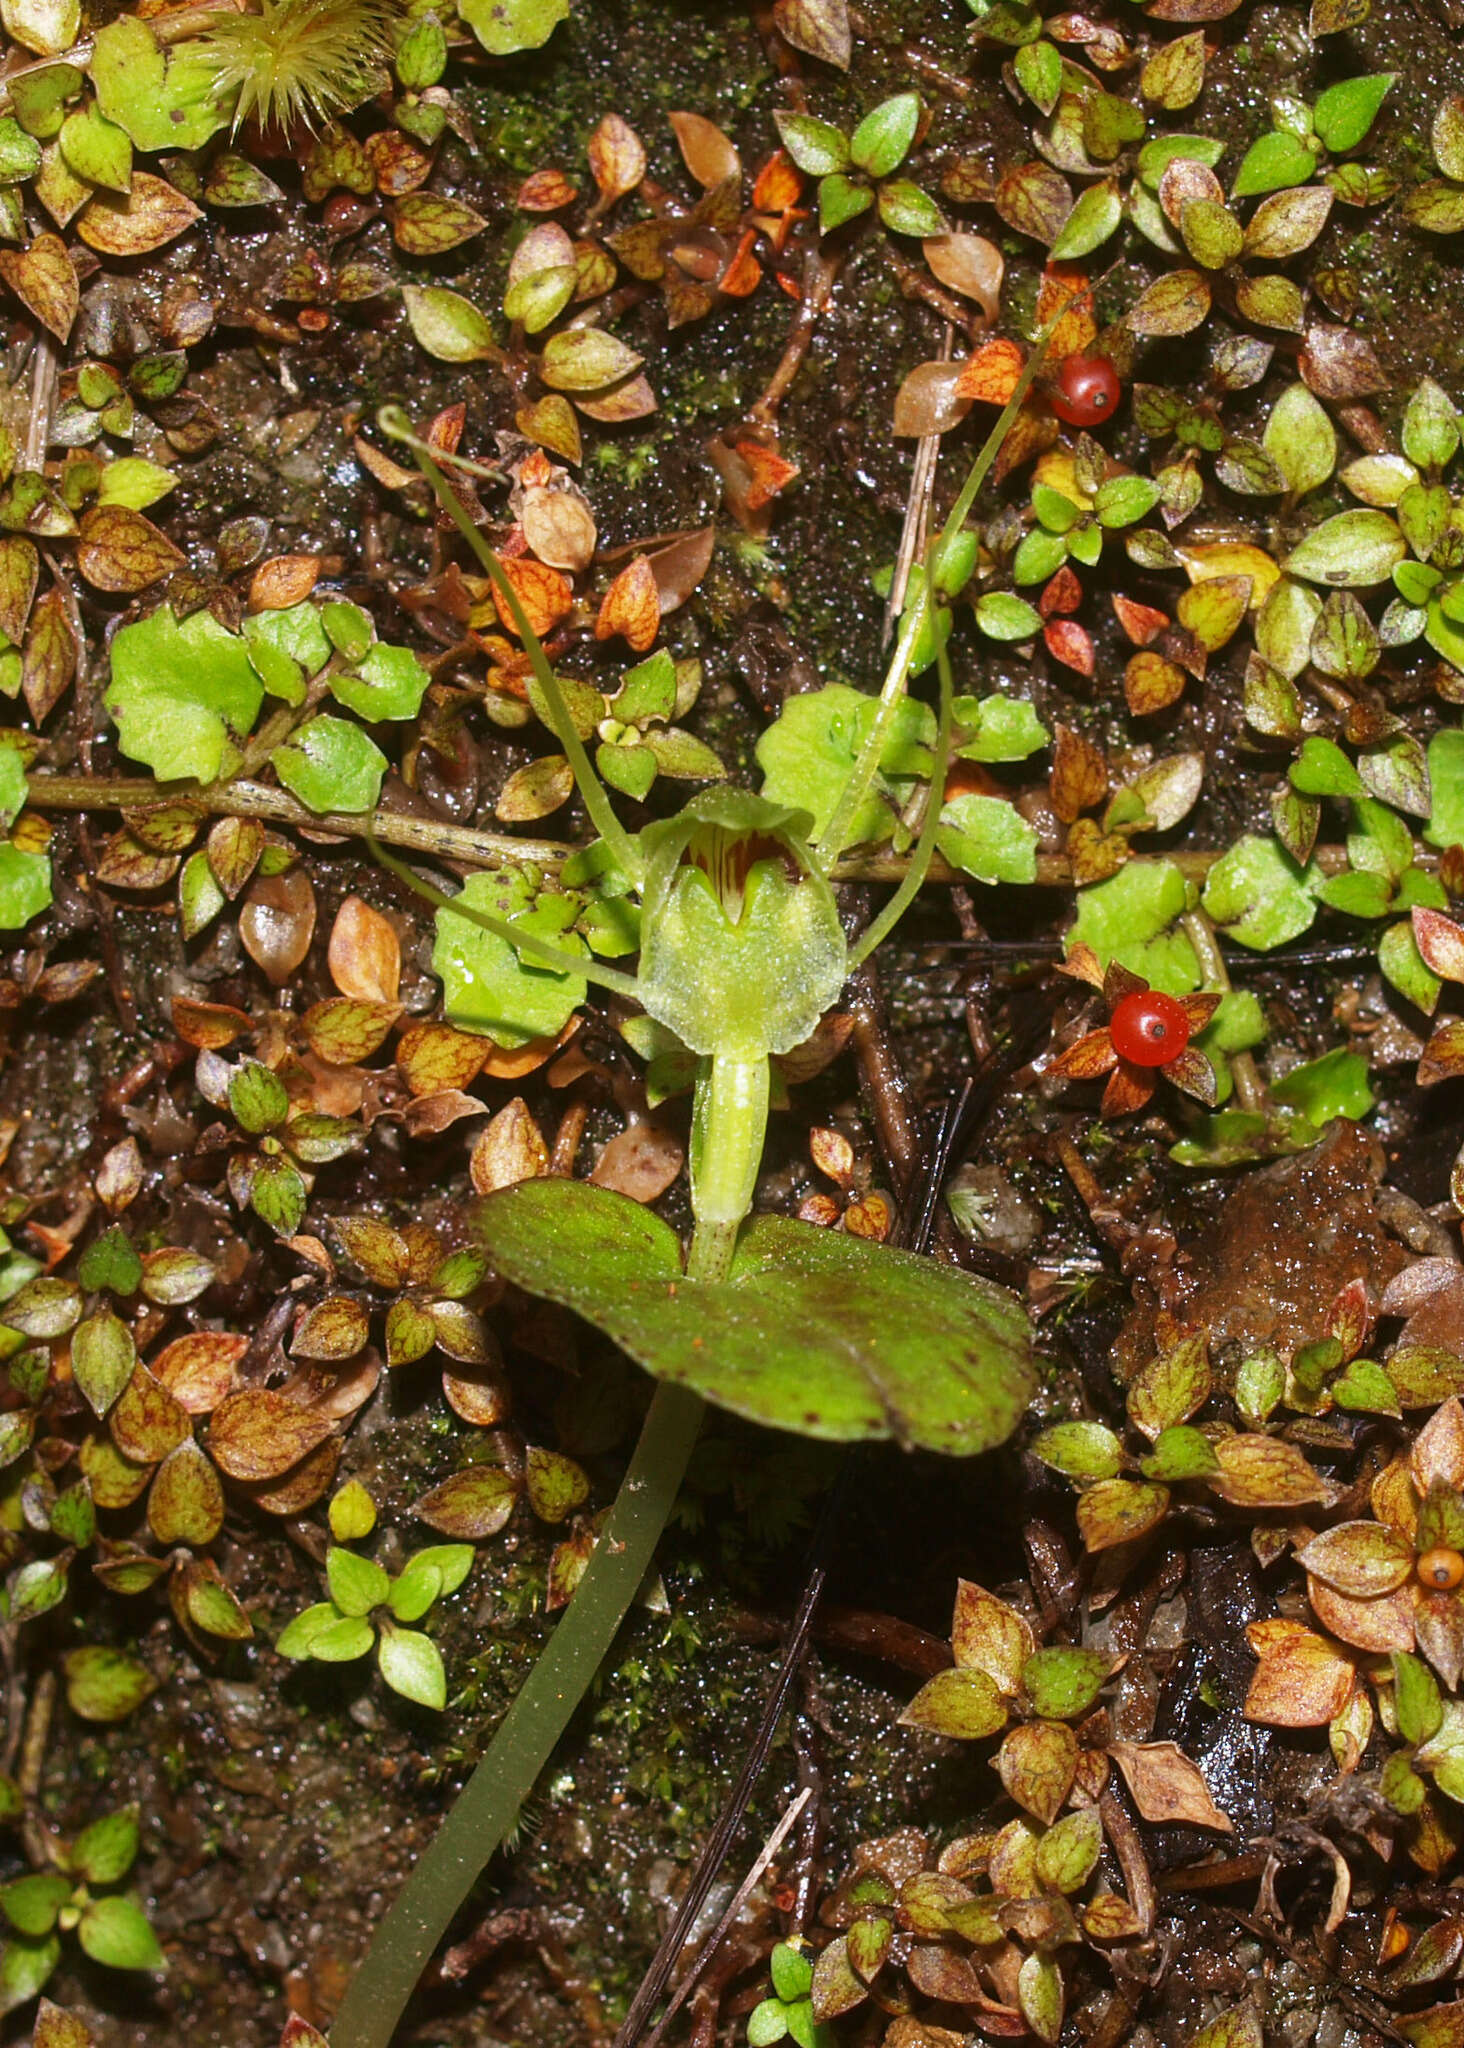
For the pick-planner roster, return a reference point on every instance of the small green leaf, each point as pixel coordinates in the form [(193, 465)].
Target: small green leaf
[(388, 682), (1272, 163), (988, 839), (1301, 440), (1430, 427), (411, 1664), (964, 1705), (1344, 112), (1258, 895), (906, 210), (1081, 1450), (791, 1971), (1334, 1085), (1062, 1684), (448, 326), (998, 728), (817, 147), (331, 765), (883, 138), (504, 27), (1351, 548), (115, 1932), (1416, 1699), (1094, 217), (106, 1850), (31, 1904), (25, 1966), (357, 1584), (1322, 769), (487, 987)]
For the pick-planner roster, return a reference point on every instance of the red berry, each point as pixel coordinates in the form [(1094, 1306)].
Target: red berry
[(1085, 391), (1149, 1028)]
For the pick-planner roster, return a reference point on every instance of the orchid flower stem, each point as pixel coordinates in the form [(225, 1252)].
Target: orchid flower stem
[(731, 1112), (489, 1804)]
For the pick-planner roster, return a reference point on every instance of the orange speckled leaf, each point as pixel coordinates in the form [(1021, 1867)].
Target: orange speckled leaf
[(544, 594), (631, 607), (989, 376)]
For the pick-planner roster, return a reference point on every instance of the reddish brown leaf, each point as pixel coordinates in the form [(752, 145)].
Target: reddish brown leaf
[(1441, 942), (1166, 1786), (198, 1370), (631, 607), (118, 550), (818, 27), (259, 1434), (545, 596), (49, 661), (151, 213), (1070, 643), (617, 160), (282, 581), (989, 376), (365, 955), (43, 278)]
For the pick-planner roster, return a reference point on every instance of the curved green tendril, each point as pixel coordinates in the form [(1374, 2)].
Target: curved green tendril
[(394, 423), (831, 844)]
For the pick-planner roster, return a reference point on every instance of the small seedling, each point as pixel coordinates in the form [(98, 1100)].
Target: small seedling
[(367, 1606), (76, 1898), (789, 2012)]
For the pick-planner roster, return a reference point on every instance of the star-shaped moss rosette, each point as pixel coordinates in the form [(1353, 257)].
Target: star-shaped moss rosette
[(1397, 1582), (1148, 1033)]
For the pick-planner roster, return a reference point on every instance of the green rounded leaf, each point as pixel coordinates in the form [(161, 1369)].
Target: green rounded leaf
[(106, 1850), (882, 139), (411, 1664), (179, 691), (963, 1704), (505, 26), (331, 765), (987, 838), (357, 1584), (813, 1331), (25, 886), (388, 682), (487, 987), (1258, 895), (1344, 112), (115, 1932), (103, 1684), (1272, 163), (1354, 549), (817, 147), (1300, 439), (1093, 219), (448, 326)]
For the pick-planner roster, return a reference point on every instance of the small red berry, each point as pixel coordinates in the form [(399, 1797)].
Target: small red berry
[(1149, 1028), (1085, 391)]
